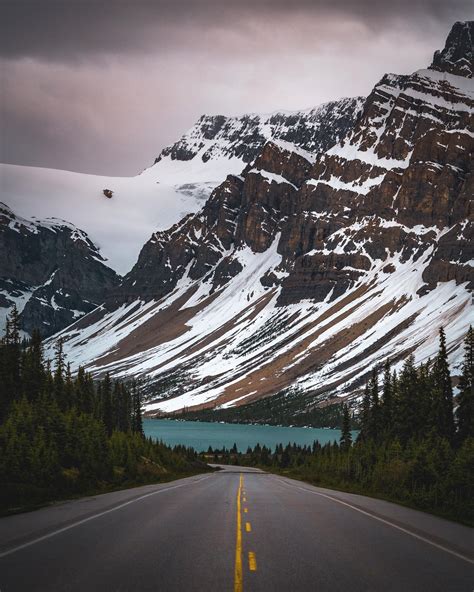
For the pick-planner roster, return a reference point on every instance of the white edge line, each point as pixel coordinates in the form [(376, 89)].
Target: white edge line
[(406, 531), (79, 522)]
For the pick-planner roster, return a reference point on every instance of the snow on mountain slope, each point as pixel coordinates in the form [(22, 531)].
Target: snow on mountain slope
[(177, 184), (118, 226), (233, 346), (217, 146), (308, 268), (50, 270)]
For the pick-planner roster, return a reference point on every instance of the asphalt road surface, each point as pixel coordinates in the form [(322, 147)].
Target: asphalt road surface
[(235, 530)]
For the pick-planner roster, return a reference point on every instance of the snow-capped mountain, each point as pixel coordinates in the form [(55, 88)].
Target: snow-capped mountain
[(120, 213), (217, 146), (307, 268), (51, 270), (118, 225), (179, 182)]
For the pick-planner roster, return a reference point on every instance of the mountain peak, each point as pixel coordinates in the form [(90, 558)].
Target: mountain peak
[(457, 57)]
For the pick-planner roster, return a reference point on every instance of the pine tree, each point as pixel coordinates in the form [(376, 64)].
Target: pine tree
[(69, 390), (374, 420), (364, 433), (32, 369), (346, 436), (10, 363), (59, 364), (386, 411), (465, 410), (84, 390), (442, 417), (406, 414), (107, 410), (137, 409)]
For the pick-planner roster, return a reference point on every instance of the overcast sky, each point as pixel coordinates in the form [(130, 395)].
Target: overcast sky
[(101, 86)]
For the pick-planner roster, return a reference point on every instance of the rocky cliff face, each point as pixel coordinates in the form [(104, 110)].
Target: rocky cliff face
[(50, 270), (311, 265), (401, 179), (236, 141), (457, 57), (181, 181)]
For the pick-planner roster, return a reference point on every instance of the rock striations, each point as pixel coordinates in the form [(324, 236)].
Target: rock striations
[(50, 270), (323, 257), (216, 136)]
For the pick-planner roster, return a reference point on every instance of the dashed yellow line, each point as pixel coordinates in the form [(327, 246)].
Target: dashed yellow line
[(238, 581), (246, 510), (252, 561), (248, 527)]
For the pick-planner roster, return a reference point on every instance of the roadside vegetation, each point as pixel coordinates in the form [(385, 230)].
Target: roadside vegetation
[(412, 448), (62, 436)]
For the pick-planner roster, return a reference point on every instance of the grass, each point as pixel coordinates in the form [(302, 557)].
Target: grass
[(41, 498)]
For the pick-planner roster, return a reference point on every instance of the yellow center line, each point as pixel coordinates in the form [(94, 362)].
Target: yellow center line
[(252, 561), (238, 581), (246, 510), (248, 527)]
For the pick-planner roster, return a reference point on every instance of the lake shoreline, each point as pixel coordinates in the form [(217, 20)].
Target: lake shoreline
[(251, 423), (202, 435)]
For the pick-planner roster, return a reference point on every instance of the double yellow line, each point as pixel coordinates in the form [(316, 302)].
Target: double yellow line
[(238, 578)]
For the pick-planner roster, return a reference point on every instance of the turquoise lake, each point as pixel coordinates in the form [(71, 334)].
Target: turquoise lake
[(201, 435)]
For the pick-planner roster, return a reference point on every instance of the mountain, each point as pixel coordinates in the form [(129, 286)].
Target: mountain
[(179, 182), (308, 268), (51, 270), (219, 145), (457, 57), (118, 225), (120, 213)]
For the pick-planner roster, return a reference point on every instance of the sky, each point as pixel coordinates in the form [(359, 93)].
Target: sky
[(102, 86)]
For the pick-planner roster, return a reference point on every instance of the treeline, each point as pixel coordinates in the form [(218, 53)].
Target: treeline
[(63, 435), (413, 446), (289, 407)]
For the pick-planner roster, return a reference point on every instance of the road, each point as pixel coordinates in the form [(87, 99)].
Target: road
[(235, 530)]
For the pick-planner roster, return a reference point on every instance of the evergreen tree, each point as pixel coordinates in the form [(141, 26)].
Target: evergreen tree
[(386, 411), (32, 369), (106, 406), (59, 364), (137, 409), (346, 436), (374, 416), (407, 418), (10, 363), (84, 388), (465, 410), (442, 409), (364, 433)]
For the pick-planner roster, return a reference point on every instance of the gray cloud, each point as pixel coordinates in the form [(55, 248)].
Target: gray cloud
[(72, 29), (103, 86)]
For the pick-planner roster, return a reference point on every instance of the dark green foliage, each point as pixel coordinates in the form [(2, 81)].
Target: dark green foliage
[(10, 364), (346, 436), (465, 410), (63, 435), (290, 407), (407, 449), (442, 419), (387, 412)]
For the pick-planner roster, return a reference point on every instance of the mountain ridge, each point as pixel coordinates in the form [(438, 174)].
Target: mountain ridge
[(302, 272), (126, 211), (51, 271)]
